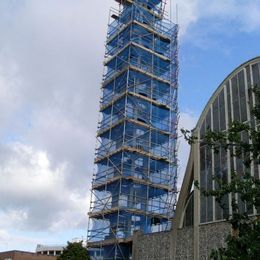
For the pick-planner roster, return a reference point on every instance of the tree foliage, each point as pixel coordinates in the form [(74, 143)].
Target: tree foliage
[(242, 140), (244, 241), (74, 251)]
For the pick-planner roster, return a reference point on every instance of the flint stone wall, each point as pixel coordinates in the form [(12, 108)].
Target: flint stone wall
[(157, 246), (212, 236), (154, 246), (184, 244)]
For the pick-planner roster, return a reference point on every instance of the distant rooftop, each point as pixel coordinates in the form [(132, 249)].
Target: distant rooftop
[(40, 248), (24, 255)]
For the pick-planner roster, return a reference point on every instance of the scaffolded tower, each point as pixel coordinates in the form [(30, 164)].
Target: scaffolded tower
[(134, 184)]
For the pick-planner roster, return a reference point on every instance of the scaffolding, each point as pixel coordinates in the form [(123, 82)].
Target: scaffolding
[(134, 183)]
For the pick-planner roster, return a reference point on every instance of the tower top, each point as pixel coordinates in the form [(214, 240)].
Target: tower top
[(147, 2), (158, 5)]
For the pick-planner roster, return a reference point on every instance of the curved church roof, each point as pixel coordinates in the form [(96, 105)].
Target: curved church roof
[(221, 86), (193, 168)]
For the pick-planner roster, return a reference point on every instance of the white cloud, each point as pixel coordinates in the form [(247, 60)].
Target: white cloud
[(6, 240), (244, 14), (51, 55), (35, 196), (9, 86), (187, 12), (188, 121)]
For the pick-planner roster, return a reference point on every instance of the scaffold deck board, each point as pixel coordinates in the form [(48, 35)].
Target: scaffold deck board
[(134, 179), (103, 107), (111, 241), (132, 149), (102, 213), (134, 121)]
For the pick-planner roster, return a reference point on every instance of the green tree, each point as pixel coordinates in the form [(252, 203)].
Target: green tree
[(242, 140), (74, 251)]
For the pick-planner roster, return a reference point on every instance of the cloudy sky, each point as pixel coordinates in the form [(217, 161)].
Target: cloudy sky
[(51, 54)]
